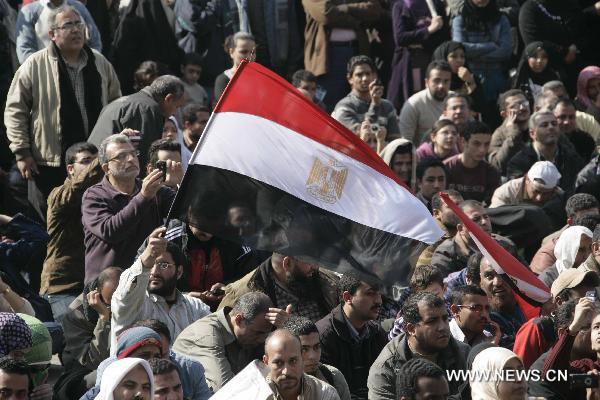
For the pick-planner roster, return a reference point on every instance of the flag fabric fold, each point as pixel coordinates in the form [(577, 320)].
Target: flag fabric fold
[(530, 291), (273, 172)]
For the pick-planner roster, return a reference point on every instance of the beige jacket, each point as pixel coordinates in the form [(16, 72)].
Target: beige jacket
[(511, 193), (32, 116)]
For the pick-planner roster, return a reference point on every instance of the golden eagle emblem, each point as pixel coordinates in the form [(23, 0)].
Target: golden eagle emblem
[(326, 180)]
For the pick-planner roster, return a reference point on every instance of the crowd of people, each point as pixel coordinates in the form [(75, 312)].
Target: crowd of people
[(495, 102)]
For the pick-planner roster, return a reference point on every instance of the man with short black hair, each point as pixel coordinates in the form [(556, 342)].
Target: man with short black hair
[(471, 314), (163, 150), (194, 118), (64, 268), (225, 341), (14, 379), (469, 172), (419, 379), (431, 179), (350, 336), (306, 82), (144, 111), (565, 113), (545, 145), (511, 136), (148, 289), (427, 336), (307, 332), (364, 107), (167, 382), (422, 109), (457, 109)]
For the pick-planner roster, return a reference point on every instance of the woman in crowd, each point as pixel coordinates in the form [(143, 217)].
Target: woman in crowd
[(15, 336), (444, 137), (417, 31), (534, 70), (127, 379), (239, 46), (485, 34), (502, 367), (463, 80), (588, 91)]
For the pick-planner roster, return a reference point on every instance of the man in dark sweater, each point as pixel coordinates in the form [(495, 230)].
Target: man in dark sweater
[(350, 338), (121, 211)]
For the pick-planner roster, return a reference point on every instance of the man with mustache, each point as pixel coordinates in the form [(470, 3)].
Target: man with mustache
[(310, 290), (351, 338), (283, 355), (471, 314), (427, 336), (148, 289)]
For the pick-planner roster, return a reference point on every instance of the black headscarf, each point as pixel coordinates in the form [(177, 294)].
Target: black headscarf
[(524, 72), (477, 18), (441, 54)]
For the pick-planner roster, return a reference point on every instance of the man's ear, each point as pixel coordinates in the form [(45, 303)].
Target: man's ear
[(265, 359), (532, 134), (179, 271), (503, 114), (238, 319), (349, 79), (105, 168), (52, 34), (70, 169), (437, 214), (460, 228), (346, 296), (287, 263), (410, 328), (455, 310)]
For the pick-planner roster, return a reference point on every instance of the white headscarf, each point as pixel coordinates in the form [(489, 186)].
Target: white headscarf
[(116, 371), (567, 247), (489, 360)]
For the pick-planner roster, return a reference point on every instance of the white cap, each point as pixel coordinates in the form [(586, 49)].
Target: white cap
[(544, 175)]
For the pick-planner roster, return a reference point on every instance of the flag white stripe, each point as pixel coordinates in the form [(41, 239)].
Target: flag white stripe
[(283, 158), (526, 288)]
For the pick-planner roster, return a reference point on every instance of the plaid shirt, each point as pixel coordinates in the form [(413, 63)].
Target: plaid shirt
[(76, 77), (304, 307)]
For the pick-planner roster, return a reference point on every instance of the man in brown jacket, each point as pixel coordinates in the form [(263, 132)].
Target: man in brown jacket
[(335, 31)]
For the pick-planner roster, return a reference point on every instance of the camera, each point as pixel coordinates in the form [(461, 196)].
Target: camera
[(375, 129), (583, 381), (162, 166), (591, 294)]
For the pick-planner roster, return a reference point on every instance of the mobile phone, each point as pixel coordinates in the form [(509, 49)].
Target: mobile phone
[(217, 292), (591, 294), (583, 381), (135, 138), (162, 166)]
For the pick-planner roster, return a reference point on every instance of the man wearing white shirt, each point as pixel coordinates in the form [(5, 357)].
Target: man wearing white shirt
[(148, 289)]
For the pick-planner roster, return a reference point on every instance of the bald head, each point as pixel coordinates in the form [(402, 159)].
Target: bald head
[(283, 355)]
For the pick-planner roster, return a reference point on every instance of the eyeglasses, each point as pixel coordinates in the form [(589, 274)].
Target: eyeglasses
[(85, 161), (71, 26), (163, 265), (124, 156), (475, 307)]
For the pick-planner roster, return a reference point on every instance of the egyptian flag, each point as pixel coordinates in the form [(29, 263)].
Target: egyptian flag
[(529, 291), (275, 173)]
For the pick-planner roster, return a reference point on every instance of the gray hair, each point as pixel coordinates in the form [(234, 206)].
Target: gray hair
[(251, 305), (553, 85), (116, 138), (54, 13), (546, 100), (164, 85), (533, 121)]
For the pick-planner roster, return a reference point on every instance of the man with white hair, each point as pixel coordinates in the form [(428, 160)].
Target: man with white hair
[(55, 99), (546, 146)]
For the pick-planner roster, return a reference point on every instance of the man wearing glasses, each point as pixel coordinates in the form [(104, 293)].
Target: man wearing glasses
[(121, 211), (55, 99), (471, 316), (148, 290)]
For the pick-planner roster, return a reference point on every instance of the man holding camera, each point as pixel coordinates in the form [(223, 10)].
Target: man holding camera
[(363, 110), (121, 211)]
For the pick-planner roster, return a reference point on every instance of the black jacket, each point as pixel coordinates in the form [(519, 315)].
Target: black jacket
[(588, 179), (353, 359), (567, 162)]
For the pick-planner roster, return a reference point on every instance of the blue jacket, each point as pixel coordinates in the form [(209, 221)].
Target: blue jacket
[(27, 38), (485, 50)]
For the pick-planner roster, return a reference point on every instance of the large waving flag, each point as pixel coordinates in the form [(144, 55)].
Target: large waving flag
[(530, 292), (274, 172)]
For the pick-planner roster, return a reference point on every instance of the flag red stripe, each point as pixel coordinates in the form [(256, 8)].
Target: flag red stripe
[(283, 104), (510, 265)]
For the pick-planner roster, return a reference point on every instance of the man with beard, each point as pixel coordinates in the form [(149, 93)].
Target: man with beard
[(427, 336), (457, 109), (422, 109), (453, 253), (351, 339), (504, 309), (546, 146), (283, 355), (445, 219), (565, 113), (121, 211), (148, 290), (511, 136), (310, 290)]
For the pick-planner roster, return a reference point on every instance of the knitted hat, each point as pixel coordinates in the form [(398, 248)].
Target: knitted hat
[(14, 333), (41, 350), (134, 338)]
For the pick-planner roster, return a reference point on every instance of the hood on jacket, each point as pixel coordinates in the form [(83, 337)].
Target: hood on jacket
[(388, 153)]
